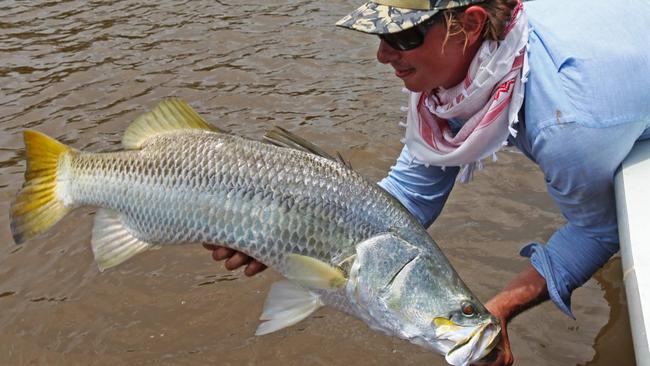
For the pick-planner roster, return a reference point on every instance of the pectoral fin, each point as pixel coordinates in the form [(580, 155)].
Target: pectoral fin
[(287, 304), (112, 242), (311, 272)]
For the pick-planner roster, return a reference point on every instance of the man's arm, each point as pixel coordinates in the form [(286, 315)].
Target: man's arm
[(422, 189), (524, 292), (579, 171)]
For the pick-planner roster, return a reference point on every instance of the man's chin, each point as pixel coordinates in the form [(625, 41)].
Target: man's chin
[(411, 87), (414, 86)]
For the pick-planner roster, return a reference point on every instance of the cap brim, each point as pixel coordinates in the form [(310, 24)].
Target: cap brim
[(382, 19)]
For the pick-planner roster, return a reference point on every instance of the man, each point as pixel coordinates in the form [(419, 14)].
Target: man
[(483, 71)]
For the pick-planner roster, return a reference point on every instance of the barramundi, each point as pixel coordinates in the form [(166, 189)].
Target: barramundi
[(336, 237)]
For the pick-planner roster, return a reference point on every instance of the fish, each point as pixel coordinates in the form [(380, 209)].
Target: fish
[(337, 238)]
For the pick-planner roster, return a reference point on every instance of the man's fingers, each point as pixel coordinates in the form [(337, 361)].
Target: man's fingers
[(253, 268), (237, 260), (210, 246), (221, 253)]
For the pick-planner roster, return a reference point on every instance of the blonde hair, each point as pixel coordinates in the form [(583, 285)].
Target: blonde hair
[(499, 13)]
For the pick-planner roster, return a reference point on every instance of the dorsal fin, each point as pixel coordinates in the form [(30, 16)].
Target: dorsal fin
[(168, 116), (280, 137)]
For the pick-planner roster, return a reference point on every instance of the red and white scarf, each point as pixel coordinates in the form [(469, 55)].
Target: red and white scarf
[(487, 102)]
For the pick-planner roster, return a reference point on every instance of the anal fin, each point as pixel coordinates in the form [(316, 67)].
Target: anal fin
[(112, 242), (287, 304)]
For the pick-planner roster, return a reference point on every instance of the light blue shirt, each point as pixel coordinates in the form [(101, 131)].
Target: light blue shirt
[(587, 102)]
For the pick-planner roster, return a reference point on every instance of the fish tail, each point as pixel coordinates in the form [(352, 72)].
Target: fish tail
[(37, 206)]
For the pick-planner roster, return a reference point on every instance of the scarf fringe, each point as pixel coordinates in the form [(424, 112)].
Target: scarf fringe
[(467, 173)]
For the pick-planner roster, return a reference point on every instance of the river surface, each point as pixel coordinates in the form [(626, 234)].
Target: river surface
[(80, 71)]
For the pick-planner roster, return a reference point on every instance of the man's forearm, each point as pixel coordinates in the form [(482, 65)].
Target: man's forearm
[(525, 291)]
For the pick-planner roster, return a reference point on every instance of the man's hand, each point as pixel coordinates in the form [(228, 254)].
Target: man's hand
[(501, 355), (235, 259), (525, 291)]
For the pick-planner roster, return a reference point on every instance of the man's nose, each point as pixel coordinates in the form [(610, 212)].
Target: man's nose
[(386, 53)]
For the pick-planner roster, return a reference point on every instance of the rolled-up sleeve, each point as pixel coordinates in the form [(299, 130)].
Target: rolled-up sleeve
[(579, 170), (568, 260), (422, 189)]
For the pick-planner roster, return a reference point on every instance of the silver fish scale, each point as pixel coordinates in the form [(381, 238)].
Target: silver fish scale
[(260, 199)]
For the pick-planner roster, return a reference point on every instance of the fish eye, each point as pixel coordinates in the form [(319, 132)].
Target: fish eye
[(467, 308)]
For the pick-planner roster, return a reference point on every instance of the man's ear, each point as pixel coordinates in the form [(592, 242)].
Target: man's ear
[(473, 21)]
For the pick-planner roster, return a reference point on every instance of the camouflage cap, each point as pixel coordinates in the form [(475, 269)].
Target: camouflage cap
[(392, 16)]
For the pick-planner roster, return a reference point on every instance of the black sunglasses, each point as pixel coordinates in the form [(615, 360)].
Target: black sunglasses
[(411, 38)]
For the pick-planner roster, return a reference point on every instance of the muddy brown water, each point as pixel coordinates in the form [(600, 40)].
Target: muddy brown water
[(80, 71)]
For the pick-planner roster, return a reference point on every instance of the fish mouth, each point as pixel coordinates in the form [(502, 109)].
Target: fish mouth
[(470, 343)]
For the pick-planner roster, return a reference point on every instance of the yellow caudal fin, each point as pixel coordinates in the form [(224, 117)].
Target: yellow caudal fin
[(37, 208)]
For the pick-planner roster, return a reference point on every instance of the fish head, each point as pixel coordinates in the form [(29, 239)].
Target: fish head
[(435, 309), (419, 297)]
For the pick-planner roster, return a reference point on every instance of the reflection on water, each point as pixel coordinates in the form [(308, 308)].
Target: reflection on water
[(80, 71), (608, 344)]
